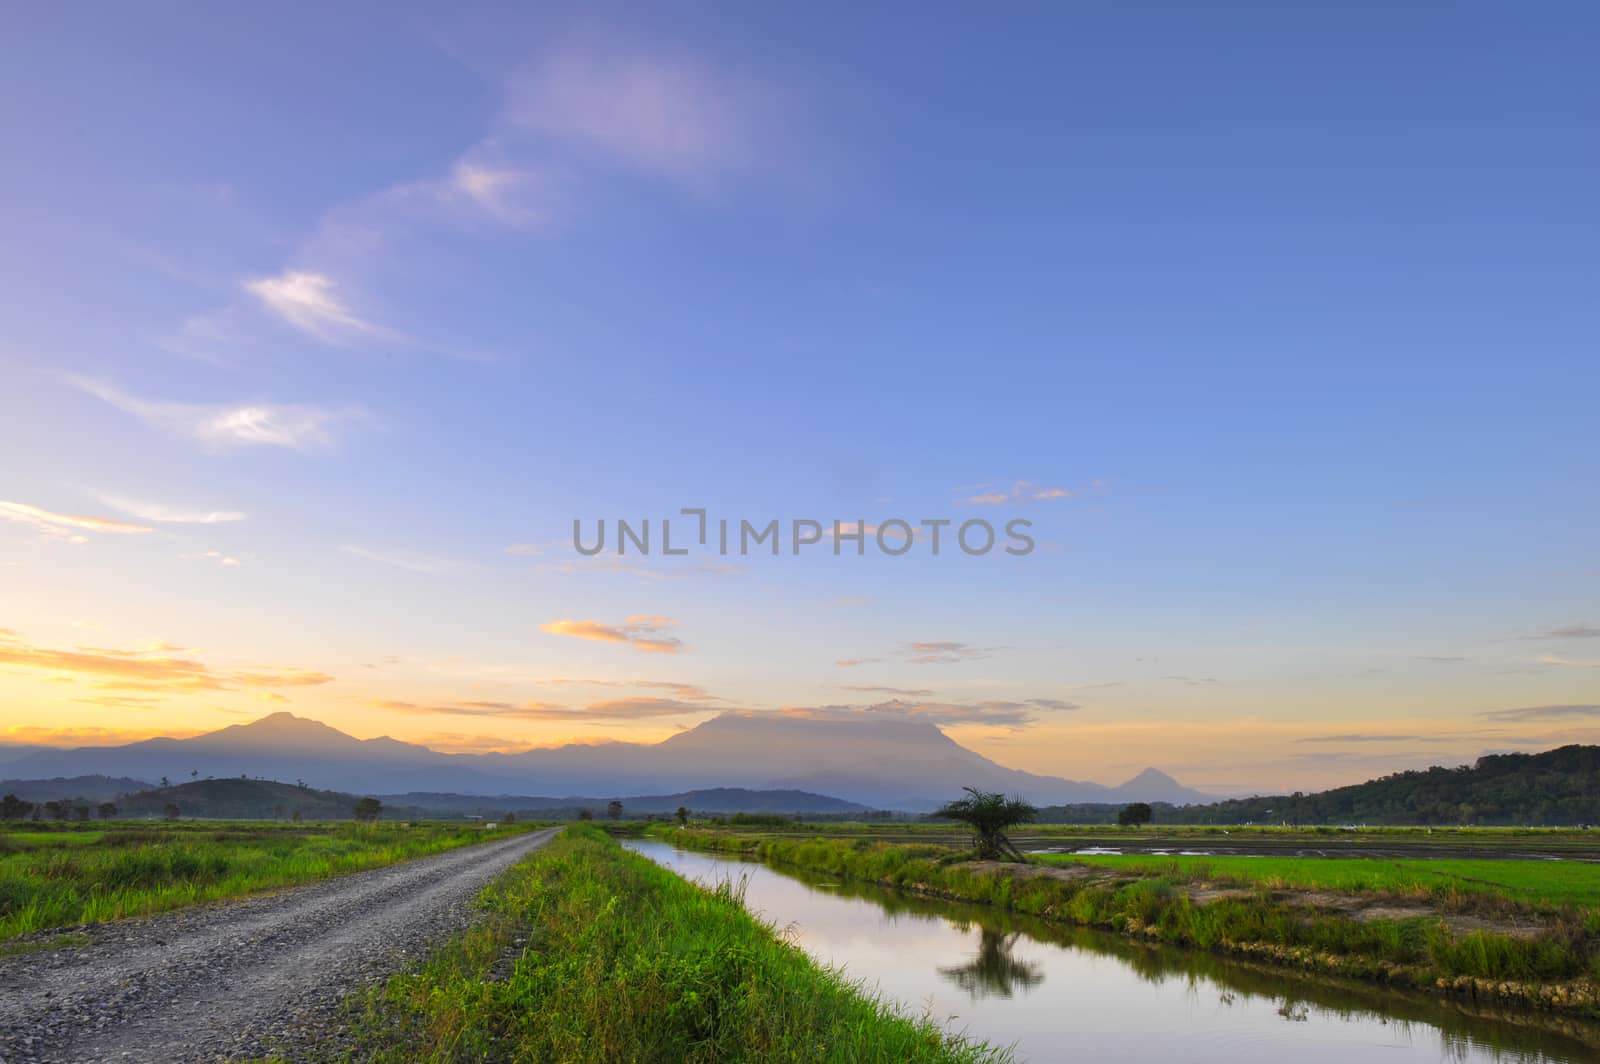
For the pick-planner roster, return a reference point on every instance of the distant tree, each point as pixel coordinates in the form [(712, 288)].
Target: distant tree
[(509, 818), (279, 810), (683, 816), (165, 783), (194, 774), (1133, 815), (369, 809), (171, 811), (989, 815), (14, 808), (108, 810), (54, 810), (586, 814), (614, 810), (80, 812), (297, 815)]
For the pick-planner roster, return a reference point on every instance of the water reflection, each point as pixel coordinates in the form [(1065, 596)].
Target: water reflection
[(994, 971), (1060, 993)]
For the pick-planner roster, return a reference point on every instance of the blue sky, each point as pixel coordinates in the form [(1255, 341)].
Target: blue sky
[(1290, 311)]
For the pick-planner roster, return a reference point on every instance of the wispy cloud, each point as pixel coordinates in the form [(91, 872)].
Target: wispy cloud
[(997, 713), (1558, 661), (1366, 737), (621, 567), (165, 514), (692, 692), (1021, 491), (613, 709), (1060, 705), (670, 115), (512, 195), (215, 556), (944, 653), (464, 743), (121, 701), (307, 300), (1569, 631), (1542, 712), (87, 736), (292, 425), (900, 692), (1439, 659), (68, 528), (1194, 681), (642, 633), (410, 561), (605, 565), (928, 652), (152, 668)]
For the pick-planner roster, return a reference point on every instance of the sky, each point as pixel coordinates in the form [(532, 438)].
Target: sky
[(320, 328)]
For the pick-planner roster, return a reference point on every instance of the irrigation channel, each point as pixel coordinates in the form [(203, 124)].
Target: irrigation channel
[(1060, 993)]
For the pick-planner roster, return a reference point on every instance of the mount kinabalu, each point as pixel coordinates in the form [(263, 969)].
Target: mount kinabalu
[(884, 763)]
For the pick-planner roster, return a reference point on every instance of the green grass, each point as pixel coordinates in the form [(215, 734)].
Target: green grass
[(1553, 840), (587, 952), (59, 878), (1558, 883), (1153, 902)]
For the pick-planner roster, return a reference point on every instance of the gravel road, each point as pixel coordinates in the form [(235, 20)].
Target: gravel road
[(242, 978)]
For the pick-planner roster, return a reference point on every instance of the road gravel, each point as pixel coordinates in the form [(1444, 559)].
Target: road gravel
[(239, 979)]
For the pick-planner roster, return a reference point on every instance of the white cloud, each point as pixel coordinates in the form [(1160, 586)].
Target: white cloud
[(307, 301), (65, 527), (644, 632), (1567, 663), (162, 513), (512, 195), (291, 425), (216, 556), (669, 115), (408, 560), (1022, 491)]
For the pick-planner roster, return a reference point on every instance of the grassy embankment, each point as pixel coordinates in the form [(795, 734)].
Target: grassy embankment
[(587, 952), (1259, 837), (61, 875), (1552, 883), (1466, 933)]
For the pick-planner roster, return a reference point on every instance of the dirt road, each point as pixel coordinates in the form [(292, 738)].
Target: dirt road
[(240, 979)]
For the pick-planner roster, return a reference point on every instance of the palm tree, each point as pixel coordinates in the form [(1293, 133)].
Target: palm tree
[(989, 815)]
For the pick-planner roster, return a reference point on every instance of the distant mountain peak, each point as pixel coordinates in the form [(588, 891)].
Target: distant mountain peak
[(1153, 785), (881, 760), (283, 725)]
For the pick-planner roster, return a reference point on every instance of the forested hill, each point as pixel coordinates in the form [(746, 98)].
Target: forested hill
[(1558, 787)]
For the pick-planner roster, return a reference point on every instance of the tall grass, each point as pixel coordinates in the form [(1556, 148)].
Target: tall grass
[(588, 952), (61, 878), (1575, 883)]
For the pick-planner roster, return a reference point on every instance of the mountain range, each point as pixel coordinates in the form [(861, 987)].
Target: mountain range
[(879, 763)]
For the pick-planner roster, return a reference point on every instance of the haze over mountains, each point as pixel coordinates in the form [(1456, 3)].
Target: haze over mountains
[(885, 764)]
